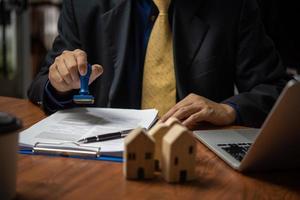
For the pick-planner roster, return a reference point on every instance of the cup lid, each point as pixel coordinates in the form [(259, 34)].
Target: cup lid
[(9, 123)]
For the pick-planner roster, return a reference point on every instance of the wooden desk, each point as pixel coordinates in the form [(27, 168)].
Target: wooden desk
[(42, 177)]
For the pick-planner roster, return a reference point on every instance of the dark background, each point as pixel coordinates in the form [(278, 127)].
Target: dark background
[(282, 22)]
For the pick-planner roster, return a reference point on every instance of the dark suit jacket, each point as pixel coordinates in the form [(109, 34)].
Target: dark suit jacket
[(217, 44)]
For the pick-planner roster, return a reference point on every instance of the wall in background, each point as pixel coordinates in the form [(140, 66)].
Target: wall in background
[(29, 34), (44, 17), (15, 64)]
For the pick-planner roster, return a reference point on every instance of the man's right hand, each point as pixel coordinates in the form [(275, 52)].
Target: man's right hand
[(64, 72)]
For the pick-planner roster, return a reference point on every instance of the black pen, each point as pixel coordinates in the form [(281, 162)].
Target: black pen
[(154, 123), (105, 137)]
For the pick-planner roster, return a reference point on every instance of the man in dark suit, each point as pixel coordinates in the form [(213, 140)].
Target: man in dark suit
[(217, 44)]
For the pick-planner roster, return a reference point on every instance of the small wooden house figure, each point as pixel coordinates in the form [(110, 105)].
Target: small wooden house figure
[(157, 133), (178, 155), (138, 155)]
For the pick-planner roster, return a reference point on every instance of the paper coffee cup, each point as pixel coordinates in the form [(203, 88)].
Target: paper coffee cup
[(8, 155)]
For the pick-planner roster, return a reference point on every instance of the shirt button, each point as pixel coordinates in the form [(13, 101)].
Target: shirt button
[(153, 17)]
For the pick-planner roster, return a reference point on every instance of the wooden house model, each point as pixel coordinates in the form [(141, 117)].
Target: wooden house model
[(172, 121), (178, 155), (138, 155), (157, 133)]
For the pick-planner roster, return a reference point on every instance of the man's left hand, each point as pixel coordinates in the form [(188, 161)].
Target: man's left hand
[(194, 109)]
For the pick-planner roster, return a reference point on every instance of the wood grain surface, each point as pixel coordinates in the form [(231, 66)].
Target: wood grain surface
[(45, 177)]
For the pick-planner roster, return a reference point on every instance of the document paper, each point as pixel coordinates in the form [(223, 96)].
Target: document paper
[(67, 126)]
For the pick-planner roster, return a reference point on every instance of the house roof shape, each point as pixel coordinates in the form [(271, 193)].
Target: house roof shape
[(172, 121), (175, 132), (135, 134), (159, 130)]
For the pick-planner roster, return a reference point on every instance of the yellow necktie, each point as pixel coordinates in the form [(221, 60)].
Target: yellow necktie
[(159, 84)]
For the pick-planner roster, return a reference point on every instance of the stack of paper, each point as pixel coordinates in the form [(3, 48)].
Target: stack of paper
[(67, 126)]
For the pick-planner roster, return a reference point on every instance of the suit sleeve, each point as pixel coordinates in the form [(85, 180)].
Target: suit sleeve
[(260, 75), (67, 39)]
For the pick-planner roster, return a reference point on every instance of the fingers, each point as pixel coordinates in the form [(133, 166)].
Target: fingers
[(64, 72), (56, 80), (183, 103), (172, 111), (97, 70), (184, 112), (71, 64), (81, 58), (197, 117), (195, 109), (192, 114)]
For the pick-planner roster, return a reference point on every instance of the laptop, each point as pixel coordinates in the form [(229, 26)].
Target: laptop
[(275, 146)]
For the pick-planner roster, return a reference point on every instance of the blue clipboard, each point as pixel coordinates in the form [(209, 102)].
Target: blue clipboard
[(101, 158)]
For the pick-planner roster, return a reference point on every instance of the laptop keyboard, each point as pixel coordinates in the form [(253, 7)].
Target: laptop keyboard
[(237, 150)]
